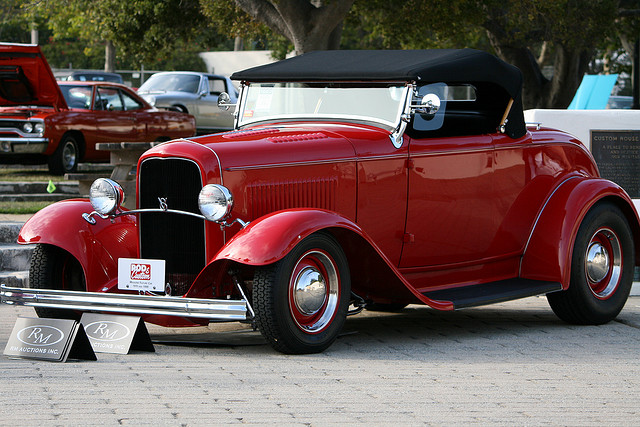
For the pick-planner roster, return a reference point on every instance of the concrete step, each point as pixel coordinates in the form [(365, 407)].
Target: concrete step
[(15, 257), (62, 187), (9, 231), (19, 279)]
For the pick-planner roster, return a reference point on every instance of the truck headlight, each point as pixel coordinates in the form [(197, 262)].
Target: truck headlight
[(27, 127), (106, 196), (39, 127), (215, 202)]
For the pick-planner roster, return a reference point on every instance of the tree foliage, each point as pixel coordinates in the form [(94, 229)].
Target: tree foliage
[(553, 42)]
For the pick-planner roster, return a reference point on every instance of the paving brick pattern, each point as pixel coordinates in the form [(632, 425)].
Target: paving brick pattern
[(509, 364)]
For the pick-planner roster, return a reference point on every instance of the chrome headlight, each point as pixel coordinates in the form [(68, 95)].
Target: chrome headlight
[(215, 202), (106, 196), (27, 127), (39, 127)]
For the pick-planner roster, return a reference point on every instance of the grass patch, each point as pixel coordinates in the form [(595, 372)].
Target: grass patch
[(28, 175), (22, 207)]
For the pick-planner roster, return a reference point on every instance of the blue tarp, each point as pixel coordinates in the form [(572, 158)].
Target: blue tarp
[(594, 92)]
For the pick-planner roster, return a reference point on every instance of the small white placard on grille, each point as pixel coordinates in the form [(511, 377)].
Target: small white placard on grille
[(141, 274)]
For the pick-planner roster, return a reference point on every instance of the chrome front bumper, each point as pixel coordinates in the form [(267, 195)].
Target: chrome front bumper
[(23, 145), (212, 309)]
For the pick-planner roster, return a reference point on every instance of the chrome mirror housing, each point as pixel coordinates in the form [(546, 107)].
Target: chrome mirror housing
[(224, 101), (430, 104)]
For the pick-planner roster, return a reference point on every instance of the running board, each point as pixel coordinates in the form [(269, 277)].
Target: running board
[(212, 309), (493, 292)]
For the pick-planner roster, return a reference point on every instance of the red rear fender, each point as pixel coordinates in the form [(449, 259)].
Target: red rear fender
[(550, 247)]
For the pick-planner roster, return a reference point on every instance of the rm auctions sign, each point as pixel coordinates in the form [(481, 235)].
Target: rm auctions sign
[(109, 333), (48, 339)]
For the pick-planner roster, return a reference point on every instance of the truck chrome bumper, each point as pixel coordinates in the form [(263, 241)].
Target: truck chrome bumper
[(211, 309), (23, 145)]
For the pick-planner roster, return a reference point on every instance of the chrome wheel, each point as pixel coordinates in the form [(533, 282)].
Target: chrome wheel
[(601, 269), (301, 301), (314, 291), (69, 155), (603, 263)]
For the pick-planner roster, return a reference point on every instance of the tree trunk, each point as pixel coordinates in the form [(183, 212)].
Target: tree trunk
[(110, 57), (570, 65), (309, 25)]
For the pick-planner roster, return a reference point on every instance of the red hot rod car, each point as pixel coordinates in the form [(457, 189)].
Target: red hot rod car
[(372, 179), (43, 122)]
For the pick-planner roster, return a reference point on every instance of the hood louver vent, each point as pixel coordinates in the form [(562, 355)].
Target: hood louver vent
[(299, 137), (275, 196)]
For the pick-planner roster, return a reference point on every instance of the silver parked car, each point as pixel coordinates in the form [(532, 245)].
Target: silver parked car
[(193, 93)]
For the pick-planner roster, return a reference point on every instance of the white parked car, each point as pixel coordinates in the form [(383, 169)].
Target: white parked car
[(193, 93)]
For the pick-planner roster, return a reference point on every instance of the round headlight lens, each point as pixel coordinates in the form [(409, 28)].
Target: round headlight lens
[(106, 196), (27, 127), (39, 127), (215, 202)]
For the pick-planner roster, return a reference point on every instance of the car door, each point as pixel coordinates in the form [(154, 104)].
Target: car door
[(114, 123), (450, 208), (451, 219), (210, 116)]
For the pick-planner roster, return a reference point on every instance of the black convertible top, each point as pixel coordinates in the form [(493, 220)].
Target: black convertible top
[(452, 66), (436, 65)]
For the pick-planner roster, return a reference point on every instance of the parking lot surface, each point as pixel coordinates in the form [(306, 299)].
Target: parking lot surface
[(509, 364)]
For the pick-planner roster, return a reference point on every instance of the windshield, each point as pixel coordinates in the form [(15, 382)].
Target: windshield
[(380, 103), (77, 96), (171, 82)]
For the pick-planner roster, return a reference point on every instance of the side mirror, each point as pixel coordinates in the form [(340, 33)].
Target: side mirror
[(429, 105), (202, 94), (224, 101)]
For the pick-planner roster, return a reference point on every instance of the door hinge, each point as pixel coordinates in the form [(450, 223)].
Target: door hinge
[(408, 238)]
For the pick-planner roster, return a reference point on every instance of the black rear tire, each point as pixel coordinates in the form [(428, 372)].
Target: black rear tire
[(301, 301), (66, 157), (54, 268), (601, 269)]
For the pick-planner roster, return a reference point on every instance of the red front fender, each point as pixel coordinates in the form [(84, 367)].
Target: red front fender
[(550, 248), (97, 247), (271, 237)]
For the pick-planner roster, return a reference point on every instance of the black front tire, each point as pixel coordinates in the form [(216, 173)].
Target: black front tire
[(301, 301), (66, 157), (601, 269), (54, 268)]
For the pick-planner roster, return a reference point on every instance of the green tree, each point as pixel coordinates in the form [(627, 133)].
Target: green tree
[(143, 31), (551, 41)]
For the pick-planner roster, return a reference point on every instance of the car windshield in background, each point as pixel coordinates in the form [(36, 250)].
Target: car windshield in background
[(171, 83), (274, 101), (77, 96)]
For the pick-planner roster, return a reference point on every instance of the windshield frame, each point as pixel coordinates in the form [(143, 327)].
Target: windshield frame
[(403, 100)]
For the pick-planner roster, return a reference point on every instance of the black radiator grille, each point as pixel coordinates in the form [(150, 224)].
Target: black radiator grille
[(178, 239)]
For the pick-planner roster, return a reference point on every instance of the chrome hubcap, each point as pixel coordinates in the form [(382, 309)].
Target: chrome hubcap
[(310, 291), (597, 262), (314, 291), (603, 263), (69, 156)]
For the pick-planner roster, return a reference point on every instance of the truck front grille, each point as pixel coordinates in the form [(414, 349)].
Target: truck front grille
[(177, 239)]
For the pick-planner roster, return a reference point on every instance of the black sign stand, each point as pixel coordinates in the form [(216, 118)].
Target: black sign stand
[(118, 334), (54, 340)]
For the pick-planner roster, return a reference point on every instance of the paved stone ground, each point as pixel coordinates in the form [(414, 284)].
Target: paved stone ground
[(509, 364)]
